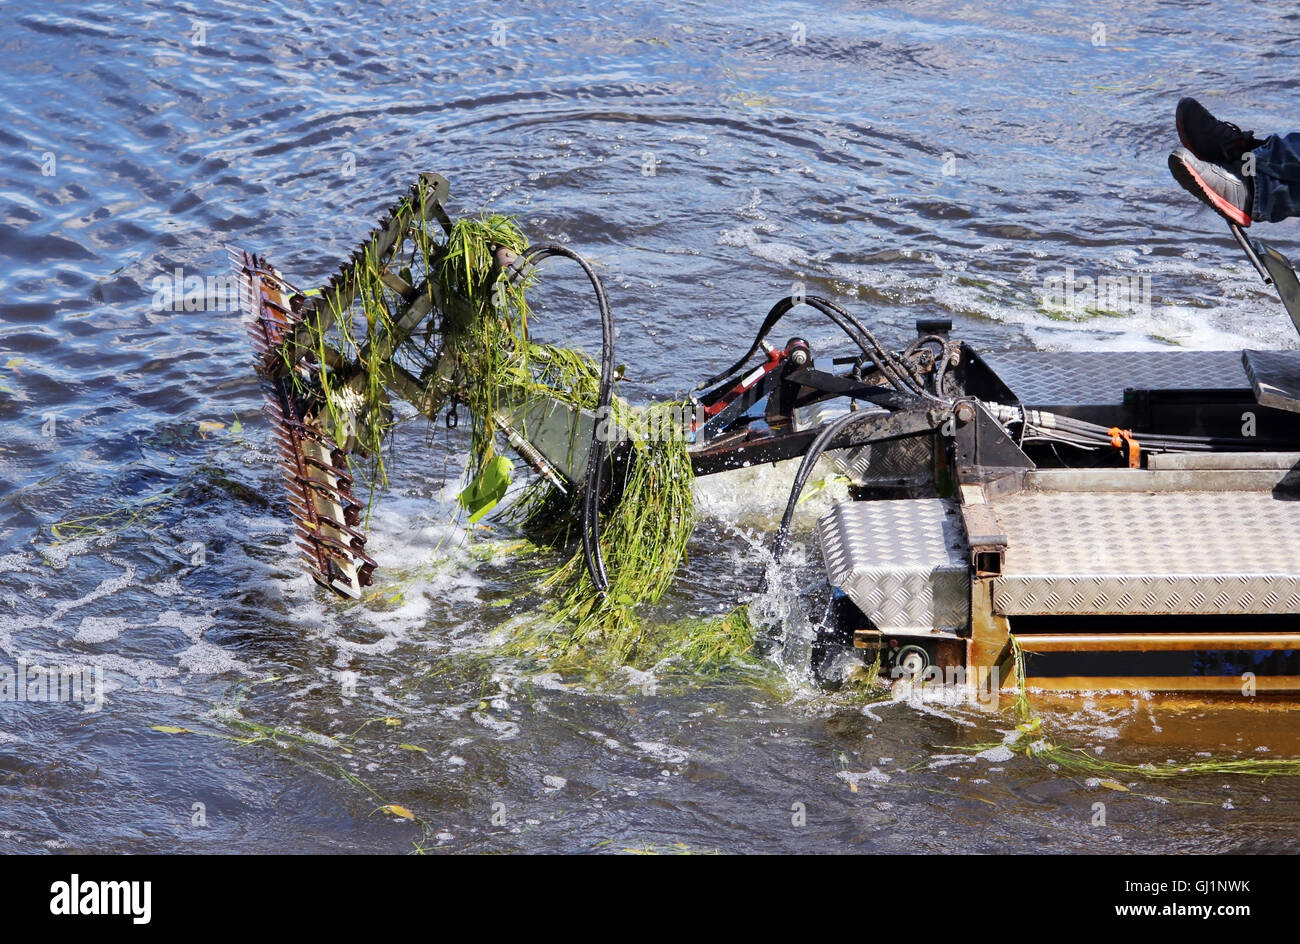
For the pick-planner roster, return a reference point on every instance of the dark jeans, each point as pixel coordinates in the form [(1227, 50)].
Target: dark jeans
[(1277, 178)]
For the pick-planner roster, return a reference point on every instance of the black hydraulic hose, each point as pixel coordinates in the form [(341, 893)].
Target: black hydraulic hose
[(928, 339), (883, 356), (941, 373), (815, 450), (885, 362), (941, 359), (590, 509), (850, 325), (774, 315)]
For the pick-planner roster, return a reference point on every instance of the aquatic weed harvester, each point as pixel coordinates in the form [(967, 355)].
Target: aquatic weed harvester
[(1107, 519)]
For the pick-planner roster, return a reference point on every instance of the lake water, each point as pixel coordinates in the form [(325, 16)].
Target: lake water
[(919, 161)]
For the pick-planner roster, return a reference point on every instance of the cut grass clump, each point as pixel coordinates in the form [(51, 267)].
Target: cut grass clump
[(644, 534), (644, 538)]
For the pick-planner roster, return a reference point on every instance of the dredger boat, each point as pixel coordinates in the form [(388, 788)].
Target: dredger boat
[(1130, 518)]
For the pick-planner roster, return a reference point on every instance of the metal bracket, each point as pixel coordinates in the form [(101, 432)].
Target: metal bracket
[(988, 543), (981, 447)]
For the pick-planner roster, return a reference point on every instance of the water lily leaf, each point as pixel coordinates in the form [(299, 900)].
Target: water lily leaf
[(488, 488)]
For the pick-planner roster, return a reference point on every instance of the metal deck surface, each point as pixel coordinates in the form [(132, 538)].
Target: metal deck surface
[(1113, 553), (1098, 378), (903, 563), (1275, 378)]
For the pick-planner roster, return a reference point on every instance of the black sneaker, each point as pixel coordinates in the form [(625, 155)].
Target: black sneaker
[(1220, 142), (1229, 194)]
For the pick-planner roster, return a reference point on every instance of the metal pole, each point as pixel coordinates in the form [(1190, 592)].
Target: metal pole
[(1251, 254)]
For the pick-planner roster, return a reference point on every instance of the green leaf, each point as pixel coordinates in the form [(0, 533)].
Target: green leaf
[(482, 494)]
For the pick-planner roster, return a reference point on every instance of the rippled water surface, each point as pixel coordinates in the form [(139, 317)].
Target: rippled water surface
[(927, 160)]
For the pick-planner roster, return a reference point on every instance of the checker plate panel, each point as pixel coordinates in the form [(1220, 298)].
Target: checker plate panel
[(1098, 378), (1112, 553), (903, 563)]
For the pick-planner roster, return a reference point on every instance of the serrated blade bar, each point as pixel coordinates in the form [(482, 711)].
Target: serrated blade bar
[(321, 503)]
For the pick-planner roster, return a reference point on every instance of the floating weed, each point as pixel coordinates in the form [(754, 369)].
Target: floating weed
[(705, 644), (1063, 313), (862, 685), (313, 750), (676, 848), (1080, 760), (707, 648), (1030, 739), (126, 515)]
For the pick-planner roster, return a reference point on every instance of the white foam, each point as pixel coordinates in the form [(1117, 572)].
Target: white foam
[(662, 752), (504, 730), (95, 629), (193, 626), (874, 775), (18, 562), (756, 496), (205, 658), (1195, 304)]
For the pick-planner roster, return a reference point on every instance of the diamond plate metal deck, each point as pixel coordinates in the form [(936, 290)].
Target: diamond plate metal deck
[(903, 460), (903, 563), (900, 462), (1098, 378), (1113, 553)]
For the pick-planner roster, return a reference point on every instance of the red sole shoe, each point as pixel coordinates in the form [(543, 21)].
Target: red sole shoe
[(1194, 184)]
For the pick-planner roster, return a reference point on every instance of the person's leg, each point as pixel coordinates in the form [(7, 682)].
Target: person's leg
[(1276, 177)]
